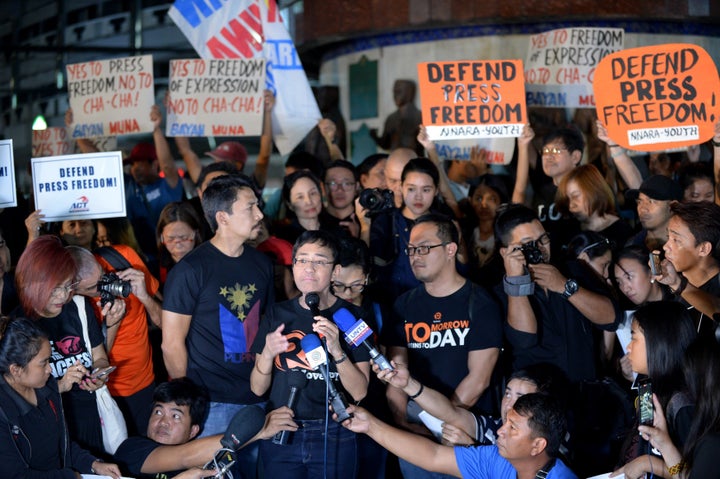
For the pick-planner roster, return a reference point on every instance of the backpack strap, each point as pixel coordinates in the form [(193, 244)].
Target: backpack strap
[(113, 256)]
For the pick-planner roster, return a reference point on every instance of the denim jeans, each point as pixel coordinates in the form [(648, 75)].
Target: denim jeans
[(304, 456), (411, 471), (217, 422)]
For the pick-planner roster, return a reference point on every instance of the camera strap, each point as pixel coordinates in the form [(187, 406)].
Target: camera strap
[(113, 256)]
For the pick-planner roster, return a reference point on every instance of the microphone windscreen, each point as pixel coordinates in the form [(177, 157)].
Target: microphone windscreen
[(313, 301), (243, 426), (314, 351), (344, 319)]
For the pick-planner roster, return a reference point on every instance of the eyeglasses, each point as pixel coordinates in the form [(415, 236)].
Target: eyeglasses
[(543, 240), (342, 288), (345, 185), (421, 250), (553, 150), (177, 239), (313, 263), (103, 241), (64, 290)]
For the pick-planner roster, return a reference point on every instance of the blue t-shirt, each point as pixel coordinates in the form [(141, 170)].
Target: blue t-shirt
[(485, 462)]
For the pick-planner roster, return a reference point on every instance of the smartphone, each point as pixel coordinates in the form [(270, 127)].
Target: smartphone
[(647, 410), (101, 373), (655, 268)]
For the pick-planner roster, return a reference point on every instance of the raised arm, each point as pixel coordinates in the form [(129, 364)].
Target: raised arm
[(445, 190), (162, 148), (85, 145), (522, 172), (625, 166), (263, 160)]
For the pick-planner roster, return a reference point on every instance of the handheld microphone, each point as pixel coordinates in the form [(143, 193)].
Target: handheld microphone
[(243, 426), (317, 359), (358, 332), (313, 302), (296, 380)]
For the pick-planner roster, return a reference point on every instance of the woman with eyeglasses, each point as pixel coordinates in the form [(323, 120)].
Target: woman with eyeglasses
[(317, 446), (178, 232), (46, 277), (584, 193)]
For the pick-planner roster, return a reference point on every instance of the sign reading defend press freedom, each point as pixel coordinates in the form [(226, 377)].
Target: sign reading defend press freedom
[(79, 186), (472, 99), (8, 192), (560, 65), (111, 97), (216, 97), (658, 97)]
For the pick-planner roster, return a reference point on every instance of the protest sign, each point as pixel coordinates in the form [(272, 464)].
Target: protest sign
[(111, 97), (658, 97), (498, 151), (8, 192), (52, 141), (252, 29), (79, 186), (560, 65), (472, 99), (215, 97)]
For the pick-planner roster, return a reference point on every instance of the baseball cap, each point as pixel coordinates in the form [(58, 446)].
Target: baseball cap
[(657, 187), (142, 152), (229, 151)]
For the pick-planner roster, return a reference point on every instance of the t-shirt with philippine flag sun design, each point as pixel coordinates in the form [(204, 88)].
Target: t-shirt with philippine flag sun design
[(226, 298)]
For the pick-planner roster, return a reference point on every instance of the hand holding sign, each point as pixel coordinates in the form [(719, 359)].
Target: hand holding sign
[(658, 97)]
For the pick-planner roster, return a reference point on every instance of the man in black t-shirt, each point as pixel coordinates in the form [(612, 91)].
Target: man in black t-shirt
[(170, 448)]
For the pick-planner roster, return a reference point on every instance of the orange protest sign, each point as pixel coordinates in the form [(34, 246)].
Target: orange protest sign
[(472, 99), (658, 97)]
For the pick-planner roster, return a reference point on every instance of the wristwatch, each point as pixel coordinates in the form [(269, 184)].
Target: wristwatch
[(571, 288)]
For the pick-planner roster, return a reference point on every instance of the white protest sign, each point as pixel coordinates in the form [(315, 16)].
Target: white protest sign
[(248, 29), (8, 193), (52, 141), (102, 143), (111, 97), (215, 97), (498, 151), (79, 186), (561, 63)]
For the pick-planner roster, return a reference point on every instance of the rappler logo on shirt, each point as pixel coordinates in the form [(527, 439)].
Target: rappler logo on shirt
[(80, 204)]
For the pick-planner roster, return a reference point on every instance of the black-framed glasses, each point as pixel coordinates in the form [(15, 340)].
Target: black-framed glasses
[(315, 263), (339, 287), (552, 150), (544, 240), (422, 250)]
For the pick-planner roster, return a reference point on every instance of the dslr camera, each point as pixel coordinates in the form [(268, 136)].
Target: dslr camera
[(533, 254), (376, 201), (111, 286)]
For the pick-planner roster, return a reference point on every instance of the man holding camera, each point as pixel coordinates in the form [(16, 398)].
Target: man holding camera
[(549, 315), (127, 340)]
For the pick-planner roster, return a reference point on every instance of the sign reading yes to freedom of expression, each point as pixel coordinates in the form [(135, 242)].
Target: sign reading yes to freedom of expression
[(216, 97), (560, 65), (472, 99), (79, 186), (111, 97), (8, 193), (658, 97)]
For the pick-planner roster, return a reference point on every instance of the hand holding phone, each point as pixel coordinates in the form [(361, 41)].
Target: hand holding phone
[(101, 373), (647, 409), (655, 265)]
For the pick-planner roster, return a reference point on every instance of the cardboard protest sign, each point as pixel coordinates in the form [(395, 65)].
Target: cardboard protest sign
[(79, 186), (111, 97), (498, 151), (52, 141), (561, 63), (472, 99), (8, 192), (216, 97), (658, 97), (253, 29)]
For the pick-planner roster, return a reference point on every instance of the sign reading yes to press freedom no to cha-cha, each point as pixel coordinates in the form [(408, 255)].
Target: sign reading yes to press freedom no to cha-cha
[(658, 97), (472, 99), (216, 97), (79, 186), (111, 97), (8, 193), (560, 65)]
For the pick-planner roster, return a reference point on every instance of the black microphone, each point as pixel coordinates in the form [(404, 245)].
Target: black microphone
[(358, 332), (313, 302), (316, 358), (296, 380), (243, 426)]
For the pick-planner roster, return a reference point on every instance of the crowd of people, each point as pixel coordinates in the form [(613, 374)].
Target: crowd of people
[(523, 309)]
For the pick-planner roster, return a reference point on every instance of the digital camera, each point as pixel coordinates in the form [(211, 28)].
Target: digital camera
[(376, 201), (111, 286), (533, 254)]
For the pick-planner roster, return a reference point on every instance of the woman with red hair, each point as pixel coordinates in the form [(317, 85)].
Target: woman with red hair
[(46, 279)]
